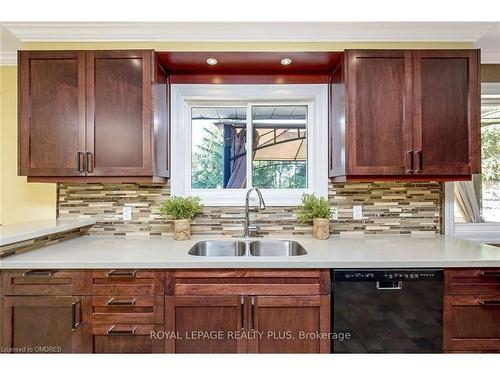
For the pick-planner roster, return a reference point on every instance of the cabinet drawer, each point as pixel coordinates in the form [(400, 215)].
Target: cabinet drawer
[(124, 283), (472, 323), (472, 281), (123, 309), (249, 282), (123, 338), (41, 282)]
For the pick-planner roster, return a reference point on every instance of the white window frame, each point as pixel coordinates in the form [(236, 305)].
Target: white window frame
[(481, 232), (186, 96)]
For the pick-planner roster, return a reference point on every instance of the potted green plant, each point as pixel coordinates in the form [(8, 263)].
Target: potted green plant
[(181, 210), (317, 210)]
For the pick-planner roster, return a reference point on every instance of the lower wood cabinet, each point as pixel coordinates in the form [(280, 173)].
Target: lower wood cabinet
[(123, 339), (155, 311), (290, 324), (41, 324), (210, 311), (472, 323), (247, 324), (206, 324), (472, 310)]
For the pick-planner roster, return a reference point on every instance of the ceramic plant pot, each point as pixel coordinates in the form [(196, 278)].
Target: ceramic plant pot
[(321, 229), (182, 229)]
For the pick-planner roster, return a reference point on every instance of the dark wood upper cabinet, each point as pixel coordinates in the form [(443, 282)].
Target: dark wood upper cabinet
[(446, 106), (119, 112), (379, 111), (401, 114), (51, 112), (93, 116)]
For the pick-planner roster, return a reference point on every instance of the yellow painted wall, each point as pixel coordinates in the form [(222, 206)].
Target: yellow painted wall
[(20, 201)]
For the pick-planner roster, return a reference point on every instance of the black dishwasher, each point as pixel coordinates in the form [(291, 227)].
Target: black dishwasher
[(387, 311)]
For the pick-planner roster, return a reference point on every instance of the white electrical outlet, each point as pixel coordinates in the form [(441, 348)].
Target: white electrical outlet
[(127, 213), (357, 212), (335, 213)]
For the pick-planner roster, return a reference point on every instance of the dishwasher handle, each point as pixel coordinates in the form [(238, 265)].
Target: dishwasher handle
[(389, 285)]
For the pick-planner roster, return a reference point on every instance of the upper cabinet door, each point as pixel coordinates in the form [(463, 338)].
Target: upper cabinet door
[(119, 113), (446, 109), (379, 98), (51, 113)]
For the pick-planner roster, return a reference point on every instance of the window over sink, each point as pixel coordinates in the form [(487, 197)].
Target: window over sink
[(214, 126)]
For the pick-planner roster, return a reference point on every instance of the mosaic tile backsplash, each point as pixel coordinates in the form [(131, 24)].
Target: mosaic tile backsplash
[(388, 208)]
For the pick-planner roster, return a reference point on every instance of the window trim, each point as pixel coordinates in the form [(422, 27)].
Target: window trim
[(185, 96), (480, 232)]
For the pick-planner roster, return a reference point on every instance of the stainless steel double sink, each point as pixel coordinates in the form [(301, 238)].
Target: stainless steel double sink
[(239, 248)]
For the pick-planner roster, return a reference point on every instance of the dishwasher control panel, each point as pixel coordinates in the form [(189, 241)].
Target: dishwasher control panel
[(388, 275)]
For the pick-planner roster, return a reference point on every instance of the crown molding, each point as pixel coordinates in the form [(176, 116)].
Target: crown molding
[(248, 31), (8, 58)]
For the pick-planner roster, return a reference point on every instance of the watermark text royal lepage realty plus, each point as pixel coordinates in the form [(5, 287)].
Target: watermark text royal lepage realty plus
[(249, 335)]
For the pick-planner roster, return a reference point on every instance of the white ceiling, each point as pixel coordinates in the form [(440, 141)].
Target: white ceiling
[(485, 35)]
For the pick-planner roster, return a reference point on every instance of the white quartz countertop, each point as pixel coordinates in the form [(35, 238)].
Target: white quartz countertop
[(12, 233), (374, 251)]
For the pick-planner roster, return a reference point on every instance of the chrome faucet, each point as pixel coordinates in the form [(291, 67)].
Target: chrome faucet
[(252, 230)]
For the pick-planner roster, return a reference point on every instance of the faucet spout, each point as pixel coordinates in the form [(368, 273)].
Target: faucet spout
[(249, 230)]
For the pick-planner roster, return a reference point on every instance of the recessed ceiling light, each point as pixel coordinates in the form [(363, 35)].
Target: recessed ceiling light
[(286, 61), (212, 61)]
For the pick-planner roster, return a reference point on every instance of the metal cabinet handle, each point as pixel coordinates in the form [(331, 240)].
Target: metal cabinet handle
[(393, 285), (80, 162), (410, 157), (242, 312), (490, 303), (39, 273), (121, 273), (253, 312), (420, 156), (89, 165), (74, 322), (113, 302), (120, 332)]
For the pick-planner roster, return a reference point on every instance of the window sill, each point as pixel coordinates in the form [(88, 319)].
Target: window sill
[(479, 232), (236, 197)]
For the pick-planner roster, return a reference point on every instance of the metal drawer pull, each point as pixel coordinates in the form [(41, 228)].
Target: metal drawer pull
[(120, 332), (489, 274), (411, 157), (120, 273), (253, 312), (89, 162), (39, 273), (420, 155), (242, 312), (391, 285), (113, 302), (80, 162), (74, 322), (490, 303)]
